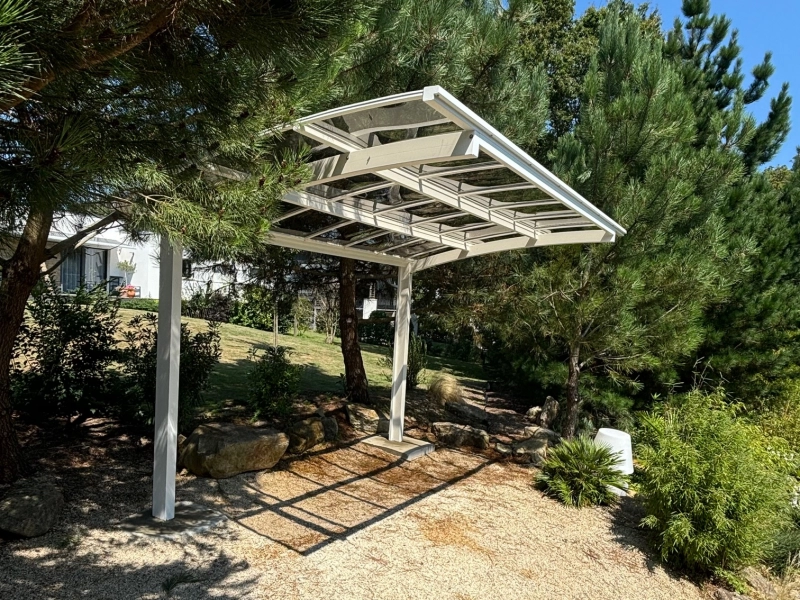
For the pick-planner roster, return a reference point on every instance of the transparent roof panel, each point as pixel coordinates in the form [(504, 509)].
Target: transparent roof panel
[(418, 179)]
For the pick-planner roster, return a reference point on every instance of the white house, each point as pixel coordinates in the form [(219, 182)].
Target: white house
[(97, 261)]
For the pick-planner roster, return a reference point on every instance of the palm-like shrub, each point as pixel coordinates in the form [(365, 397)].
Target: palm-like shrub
[(579, 473), (716, 491)]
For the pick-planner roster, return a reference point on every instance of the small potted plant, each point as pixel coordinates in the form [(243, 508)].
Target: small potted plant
[(128, 291)]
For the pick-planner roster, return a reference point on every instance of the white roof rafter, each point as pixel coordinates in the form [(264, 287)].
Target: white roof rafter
[(422, 168)]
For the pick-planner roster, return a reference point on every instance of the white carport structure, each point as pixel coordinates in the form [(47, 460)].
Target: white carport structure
[(413, 180)]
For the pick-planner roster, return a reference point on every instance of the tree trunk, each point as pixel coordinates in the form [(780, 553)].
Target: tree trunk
[(19, 278), (275, 323), (355, 376), (573, 395)]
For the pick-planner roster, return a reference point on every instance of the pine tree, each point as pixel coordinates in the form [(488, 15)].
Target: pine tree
[(150, 114), (637, 304)]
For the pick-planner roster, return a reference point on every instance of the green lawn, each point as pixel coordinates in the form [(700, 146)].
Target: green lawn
[(322, 362)]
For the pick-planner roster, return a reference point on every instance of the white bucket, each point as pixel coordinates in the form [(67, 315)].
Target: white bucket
[(619, 443)]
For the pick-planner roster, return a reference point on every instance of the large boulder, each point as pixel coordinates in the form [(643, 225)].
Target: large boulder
[(533, 448), (454, 434), (30, 509), (306, 434), (469, 412), (549, 413), (221, 450), (366, 419)]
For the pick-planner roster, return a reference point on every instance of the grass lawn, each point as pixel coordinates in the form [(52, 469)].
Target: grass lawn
[(322, 363)]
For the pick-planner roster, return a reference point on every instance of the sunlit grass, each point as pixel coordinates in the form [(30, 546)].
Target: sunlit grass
[(322, 362)]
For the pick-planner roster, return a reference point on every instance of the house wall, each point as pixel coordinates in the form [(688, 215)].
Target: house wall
[(143, 254)]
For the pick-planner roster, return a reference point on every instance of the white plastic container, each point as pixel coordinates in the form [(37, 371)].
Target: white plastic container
[(618, 442)]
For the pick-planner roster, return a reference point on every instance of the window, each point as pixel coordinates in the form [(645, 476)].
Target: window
[(84, 265)]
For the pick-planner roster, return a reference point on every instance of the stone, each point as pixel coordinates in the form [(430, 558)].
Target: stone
[(366, 419), (454, 434), (504, 449), (181, 448), (30, 509), (331, 427), (469, 412), (306, 434), (222, 450), (723, 594), (533, 414), (534, 447), (549, 412), (761, 586)]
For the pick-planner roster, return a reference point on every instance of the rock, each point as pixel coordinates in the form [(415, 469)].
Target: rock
[(331, 427), (534, 447), (504, 449), (723, 594), (762, 586), (306, 434), (453, 434), (181, 448), (549, 412), (533, 414), (221, 450), (367, 419), (470, 412), (30, 508)]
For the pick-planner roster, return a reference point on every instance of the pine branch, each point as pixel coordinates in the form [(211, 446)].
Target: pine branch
[(34, 85), (82, 236)]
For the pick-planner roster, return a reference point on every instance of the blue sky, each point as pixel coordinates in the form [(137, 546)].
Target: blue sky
[(763, 26)]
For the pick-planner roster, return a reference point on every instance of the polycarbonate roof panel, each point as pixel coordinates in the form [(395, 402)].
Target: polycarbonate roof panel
[(420, 179)]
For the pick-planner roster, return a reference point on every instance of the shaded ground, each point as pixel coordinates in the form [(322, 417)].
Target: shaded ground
[(347, 522)]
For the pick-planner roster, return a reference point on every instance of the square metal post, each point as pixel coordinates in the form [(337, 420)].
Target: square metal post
[(168, 352), (402, 321)]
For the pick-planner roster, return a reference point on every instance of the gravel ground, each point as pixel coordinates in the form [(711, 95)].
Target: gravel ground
[(347, 523)]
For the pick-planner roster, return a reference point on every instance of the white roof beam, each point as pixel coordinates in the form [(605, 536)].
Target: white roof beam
[(291, 240), (374, 235), (511, 187), (431, 149), (328, 229), (290, 214), (447, 171), (343, 211), (403, 205), (592, 236)]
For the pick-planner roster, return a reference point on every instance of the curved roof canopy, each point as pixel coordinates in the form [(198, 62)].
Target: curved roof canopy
[(418, 180)]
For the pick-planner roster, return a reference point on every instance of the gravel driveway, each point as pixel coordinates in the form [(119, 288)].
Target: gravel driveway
[(347, 523)]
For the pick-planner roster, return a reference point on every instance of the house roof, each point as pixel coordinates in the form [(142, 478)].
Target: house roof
[(418, 179)]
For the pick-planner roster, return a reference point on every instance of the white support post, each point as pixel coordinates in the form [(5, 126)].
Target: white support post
[(400, 360), (167, 371)]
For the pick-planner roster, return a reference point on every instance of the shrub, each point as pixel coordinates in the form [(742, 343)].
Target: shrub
[(209, 305), (63, 353), (199, 353), (578, 472), (417, 361), (715, 495), (148, 304), (444, 388), (377, 329), (255, 309), (274, 381)]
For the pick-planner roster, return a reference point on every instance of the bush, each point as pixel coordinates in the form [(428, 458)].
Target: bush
[(578, 472), (417, 361), (377, 329), (63, 353), (148, 304), (444, 388), (715, 494), (199, 353), (274, 381), (255, 309), (209, 305)]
